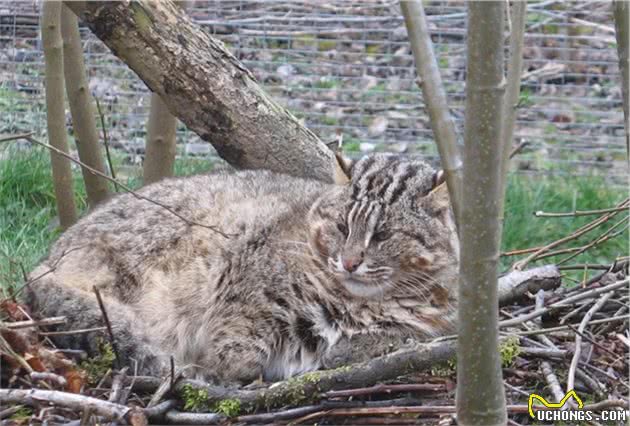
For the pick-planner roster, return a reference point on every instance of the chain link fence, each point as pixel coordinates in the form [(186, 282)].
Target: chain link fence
[(346, 68)]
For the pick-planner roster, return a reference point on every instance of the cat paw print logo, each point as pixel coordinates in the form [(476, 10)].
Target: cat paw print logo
[(557, 412)]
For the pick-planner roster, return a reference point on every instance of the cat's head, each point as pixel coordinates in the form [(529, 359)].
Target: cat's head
[(389, 231)]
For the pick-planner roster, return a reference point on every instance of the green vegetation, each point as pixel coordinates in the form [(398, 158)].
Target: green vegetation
[(509, 349), (228, 407), (194, 399), (27, 210), (97, 366)]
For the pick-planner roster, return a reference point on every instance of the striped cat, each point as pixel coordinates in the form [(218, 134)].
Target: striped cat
[(303, 266)]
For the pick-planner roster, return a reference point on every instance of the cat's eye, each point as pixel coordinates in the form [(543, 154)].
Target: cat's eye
[(381, 236), (342, 228)]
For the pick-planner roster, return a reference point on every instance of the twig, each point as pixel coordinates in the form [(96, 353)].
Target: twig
[(576, 213), (10, 411), (69, 332), (518, 148), (552, 381), (112, 340), (35, 323), (34, 397), (568, 326), (126, 188), (565, 302), (515, 284), (117, 387), (52, 377), (180, 418), (106, 142), (578, 339), (15, 137), (623, 339), (165, 387), (381, 388), (159, 409), (581, 231), (607, 235)]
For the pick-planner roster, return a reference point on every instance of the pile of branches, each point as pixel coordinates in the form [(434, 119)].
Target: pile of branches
[(555, 338)]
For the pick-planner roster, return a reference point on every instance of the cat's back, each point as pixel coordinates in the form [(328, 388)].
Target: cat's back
[(175, 219)]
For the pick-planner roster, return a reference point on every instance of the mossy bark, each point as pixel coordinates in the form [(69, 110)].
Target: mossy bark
[(480, 393), (206, 87), (82, 109), (55, 112)]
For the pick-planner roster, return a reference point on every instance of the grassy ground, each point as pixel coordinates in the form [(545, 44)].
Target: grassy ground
[(27, 211)]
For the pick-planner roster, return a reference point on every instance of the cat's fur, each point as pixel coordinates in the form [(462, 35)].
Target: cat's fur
[(274, 297)]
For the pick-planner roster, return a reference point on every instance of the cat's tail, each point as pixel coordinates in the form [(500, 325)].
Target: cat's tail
[(85, 327)]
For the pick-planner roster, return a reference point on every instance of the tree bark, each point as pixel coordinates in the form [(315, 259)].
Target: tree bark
[(55, 112), (206, 87), (159, 158), (518, 16), (435, 98), (480, 393), (622, 17), (82, 108), (160, 147)]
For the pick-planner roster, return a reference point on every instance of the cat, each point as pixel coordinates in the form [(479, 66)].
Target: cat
[(281, 271)]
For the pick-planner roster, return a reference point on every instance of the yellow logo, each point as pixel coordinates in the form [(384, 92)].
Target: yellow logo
[(547, 404)]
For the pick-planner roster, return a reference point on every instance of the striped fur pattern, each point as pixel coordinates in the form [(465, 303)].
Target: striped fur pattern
[(307, 266)]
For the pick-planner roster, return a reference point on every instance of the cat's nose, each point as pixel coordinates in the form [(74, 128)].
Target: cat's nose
[(351, 263)]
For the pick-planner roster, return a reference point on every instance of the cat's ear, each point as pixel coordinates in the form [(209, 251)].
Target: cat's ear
[(343, 169), (439, 178), (438, 197)]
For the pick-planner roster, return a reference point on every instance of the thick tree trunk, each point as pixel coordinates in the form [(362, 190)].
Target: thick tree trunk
[(82, 108), (159, 158), (206, 87), (55, 112), (480, 393)]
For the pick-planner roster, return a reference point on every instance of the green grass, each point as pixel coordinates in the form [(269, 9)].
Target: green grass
[(28, 225)]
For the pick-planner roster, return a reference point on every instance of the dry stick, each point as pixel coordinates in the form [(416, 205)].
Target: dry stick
[(577, 213), (180, 418), (586, 228), (52, 377), (165, 387), (117, 387), (381, 388), (578, 339), (34, 323), (568, 326), (435, 98), (127, 189), (106, 142), (70, 332), (517, 149), (580, 296), (110, 333), (607, 235), (35, 397)]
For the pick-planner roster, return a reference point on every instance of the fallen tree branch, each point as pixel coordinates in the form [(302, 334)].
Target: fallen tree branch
[(206, 87), (33, 397), (35, 323), (516, 284)]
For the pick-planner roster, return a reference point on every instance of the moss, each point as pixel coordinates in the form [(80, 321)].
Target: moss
[(445, 369), (97, 366), (509, 350), (22, 414), (194, 399), (141, 17), (228, 407)]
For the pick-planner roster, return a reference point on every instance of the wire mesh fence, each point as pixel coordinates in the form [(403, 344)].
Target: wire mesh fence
[(346, 68)]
